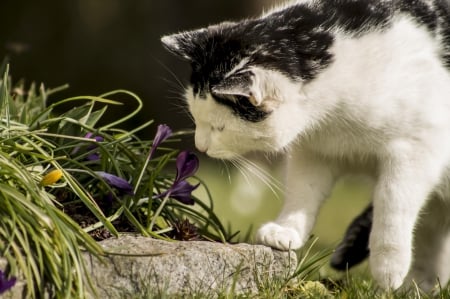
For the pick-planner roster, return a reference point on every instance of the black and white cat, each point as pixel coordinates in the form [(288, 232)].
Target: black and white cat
[(338, 86)]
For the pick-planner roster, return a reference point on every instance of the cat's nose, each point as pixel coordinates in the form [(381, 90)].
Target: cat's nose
[(201, 143), (201, 148)]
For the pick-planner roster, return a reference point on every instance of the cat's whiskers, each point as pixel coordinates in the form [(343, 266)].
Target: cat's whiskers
[(247, 167), (177, 91), (181, 106), (174, 76), (180, 103), (227, 169), (241, 169)]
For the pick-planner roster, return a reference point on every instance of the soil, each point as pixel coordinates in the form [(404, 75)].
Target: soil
[(183, 230), (81, 214)]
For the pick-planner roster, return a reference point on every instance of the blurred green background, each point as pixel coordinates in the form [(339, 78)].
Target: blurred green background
[(245, 202), (101, 45)]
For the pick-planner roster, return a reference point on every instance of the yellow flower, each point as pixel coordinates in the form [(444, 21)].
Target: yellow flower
[(51, 177)]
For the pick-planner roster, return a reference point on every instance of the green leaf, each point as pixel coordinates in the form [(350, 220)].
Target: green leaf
[(92, 119), (4, 97)]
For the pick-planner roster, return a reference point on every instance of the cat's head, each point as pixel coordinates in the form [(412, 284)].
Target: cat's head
[(245, 92)]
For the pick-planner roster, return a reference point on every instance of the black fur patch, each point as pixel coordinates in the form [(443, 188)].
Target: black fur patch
[(212, 57), (443, 12), (424, 14), (354, 247), (296, 41), (243, 108), (435, 16)]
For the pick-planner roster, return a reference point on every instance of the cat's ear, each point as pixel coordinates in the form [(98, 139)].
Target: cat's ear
[(183, 44), (239, 85)]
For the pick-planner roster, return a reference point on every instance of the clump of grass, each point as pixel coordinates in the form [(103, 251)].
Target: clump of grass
[(55, 167)]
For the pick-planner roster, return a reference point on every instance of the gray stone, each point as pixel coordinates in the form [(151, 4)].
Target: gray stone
[(136, 265)]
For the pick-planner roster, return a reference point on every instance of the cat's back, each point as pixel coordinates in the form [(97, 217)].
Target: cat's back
[(357, 18), (389, 71)]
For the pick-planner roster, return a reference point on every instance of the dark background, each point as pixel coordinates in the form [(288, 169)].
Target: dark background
[(100, 45)]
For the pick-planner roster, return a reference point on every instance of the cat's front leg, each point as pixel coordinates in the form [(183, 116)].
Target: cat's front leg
[(309, 180), (406, 178)]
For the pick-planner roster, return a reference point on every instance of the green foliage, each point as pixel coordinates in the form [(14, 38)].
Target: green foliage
[(36, 237), (56, 165)]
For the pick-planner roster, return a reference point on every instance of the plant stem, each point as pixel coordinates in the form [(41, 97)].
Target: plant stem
[(158, 211)]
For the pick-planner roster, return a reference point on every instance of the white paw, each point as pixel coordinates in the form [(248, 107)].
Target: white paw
[(389, 267), (279, 237)]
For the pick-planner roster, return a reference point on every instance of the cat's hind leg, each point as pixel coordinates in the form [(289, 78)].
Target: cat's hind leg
[(408, 174), (431, 259)]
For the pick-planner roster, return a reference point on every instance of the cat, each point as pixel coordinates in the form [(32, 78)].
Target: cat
[(337, 86)]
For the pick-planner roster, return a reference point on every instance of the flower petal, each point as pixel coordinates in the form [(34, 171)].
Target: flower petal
[(6, 284), (163, 132), (89, 147), (51, 177), (93, 157), (93, 145), (187, 165), (117, 182), (182, 191)]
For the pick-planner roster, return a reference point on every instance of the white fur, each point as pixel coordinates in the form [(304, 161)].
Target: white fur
[(382, 107)]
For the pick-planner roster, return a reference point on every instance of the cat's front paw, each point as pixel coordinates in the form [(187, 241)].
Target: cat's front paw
[(389, 266), (279, 237)]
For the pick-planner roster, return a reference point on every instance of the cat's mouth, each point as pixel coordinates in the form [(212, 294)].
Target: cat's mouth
[(223, 155)]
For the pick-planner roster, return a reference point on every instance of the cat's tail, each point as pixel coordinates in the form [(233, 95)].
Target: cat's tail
[(354, 247)]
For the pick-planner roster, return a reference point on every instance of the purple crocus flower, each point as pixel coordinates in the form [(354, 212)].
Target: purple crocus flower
[(182, 191), (187, 164), (97, 138), (162, 134), (5, 283), (95, 156), (117, 182)]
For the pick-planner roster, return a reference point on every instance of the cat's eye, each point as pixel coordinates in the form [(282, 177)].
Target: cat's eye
[(219, 128)]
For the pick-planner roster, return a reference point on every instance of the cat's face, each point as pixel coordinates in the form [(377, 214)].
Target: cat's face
[(241, 97)]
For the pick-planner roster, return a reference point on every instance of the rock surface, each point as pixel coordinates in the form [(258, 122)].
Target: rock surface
[(137, 266), (179, 268)]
